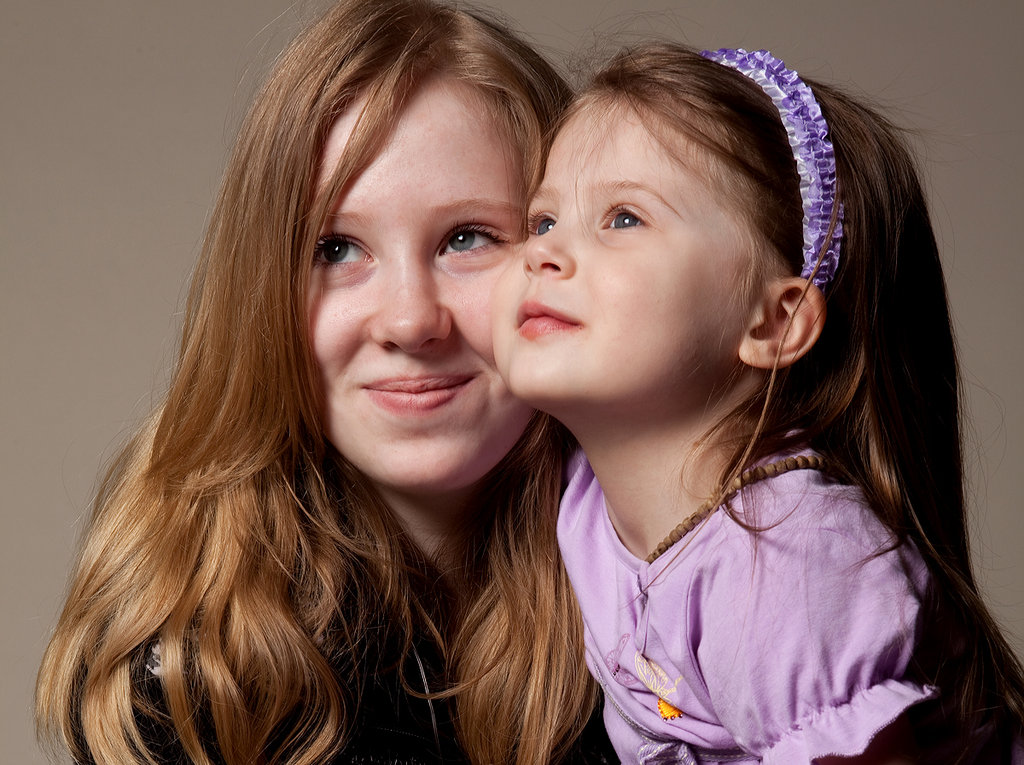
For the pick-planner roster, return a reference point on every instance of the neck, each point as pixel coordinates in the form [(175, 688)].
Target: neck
[(434, 522), (655, 470), (652, 478)]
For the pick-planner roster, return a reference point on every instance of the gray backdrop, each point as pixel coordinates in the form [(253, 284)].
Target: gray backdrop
[(116, 120)]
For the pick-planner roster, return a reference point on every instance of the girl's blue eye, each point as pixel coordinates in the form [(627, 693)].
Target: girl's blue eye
[(334, 249), (467, 239), (543, 226), (625, 220)]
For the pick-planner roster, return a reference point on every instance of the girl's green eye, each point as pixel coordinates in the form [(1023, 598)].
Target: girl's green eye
[(334, 249), (625, 220), (468, 239)]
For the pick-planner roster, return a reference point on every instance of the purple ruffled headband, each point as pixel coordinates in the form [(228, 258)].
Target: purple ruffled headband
[(812, 149)]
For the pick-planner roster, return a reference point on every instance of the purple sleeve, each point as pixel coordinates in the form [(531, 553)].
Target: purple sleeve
[(803, 638)]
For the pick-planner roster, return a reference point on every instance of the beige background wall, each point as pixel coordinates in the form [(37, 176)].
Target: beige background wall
[(116, 116)]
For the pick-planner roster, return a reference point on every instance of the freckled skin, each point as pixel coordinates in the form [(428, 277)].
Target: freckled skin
[(400, 306)]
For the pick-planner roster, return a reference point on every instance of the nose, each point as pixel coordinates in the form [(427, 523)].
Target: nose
[(547, 255), (412, 314)]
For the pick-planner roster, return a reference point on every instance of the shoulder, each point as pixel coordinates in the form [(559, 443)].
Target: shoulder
[(582, 500), (804, 517), (579, 477), (814, 613), (802, 545)]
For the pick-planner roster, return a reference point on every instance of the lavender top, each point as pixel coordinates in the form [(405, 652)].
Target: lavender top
[(720, 653)]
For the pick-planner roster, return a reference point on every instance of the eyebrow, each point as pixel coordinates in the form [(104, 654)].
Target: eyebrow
[(485, 204), (544, 193), (469, 209), (547, 192), (627, 186)]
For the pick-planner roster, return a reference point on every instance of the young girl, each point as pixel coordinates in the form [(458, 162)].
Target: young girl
[(732, 297)]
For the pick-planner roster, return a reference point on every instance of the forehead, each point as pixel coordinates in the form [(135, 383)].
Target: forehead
[(603, 141), (607, 133), (588, 138), (440, 112), (441, 162)]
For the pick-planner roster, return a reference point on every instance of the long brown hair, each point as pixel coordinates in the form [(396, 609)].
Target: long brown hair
[(879, 393), (229, 533)]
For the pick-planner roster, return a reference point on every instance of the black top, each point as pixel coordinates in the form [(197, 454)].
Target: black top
[(395, 728), (392, 727)]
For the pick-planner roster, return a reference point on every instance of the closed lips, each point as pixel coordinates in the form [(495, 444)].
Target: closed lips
[(419, 384), (534, 310)]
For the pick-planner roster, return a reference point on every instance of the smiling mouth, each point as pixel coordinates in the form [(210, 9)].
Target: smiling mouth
[(416, 395), (536, 320)]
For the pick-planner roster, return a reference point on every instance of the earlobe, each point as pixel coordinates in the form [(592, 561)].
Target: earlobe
[(784, 325)]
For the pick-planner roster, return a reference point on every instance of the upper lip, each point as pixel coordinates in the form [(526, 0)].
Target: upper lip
[(419, 383), (532, 309)]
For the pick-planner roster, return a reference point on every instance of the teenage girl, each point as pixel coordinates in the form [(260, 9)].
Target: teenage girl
[(732, 296)]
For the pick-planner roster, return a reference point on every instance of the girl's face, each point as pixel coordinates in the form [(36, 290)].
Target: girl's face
[(400, 303), (627, 303)]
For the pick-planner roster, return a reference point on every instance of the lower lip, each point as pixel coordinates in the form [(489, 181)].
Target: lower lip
[(419, 402), (541, 326)]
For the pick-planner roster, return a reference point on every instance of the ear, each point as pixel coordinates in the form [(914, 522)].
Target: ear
[(784, 324)]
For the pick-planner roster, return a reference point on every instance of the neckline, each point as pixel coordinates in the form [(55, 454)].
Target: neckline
[(748, 477)]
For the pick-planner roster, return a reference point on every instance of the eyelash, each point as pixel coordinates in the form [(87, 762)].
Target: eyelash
[(473, 228), (618, 210), (533, 220), (327, 241)]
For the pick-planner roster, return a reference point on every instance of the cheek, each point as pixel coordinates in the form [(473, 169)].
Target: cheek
[(508, 293), (318, 329), (333, 331), (472, 309)]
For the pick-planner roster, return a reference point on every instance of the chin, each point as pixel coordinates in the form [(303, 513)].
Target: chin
[(541, 387), (544, 399)]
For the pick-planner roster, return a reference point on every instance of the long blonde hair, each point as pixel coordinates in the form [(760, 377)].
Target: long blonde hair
[(229, 534)]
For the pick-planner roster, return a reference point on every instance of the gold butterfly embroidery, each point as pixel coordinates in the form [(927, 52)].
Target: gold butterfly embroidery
[(667, 711), (656, 679)]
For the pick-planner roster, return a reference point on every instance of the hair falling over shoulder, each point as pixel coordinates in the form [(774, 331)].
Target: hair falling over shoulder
[(231, 537), (879, 393)]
